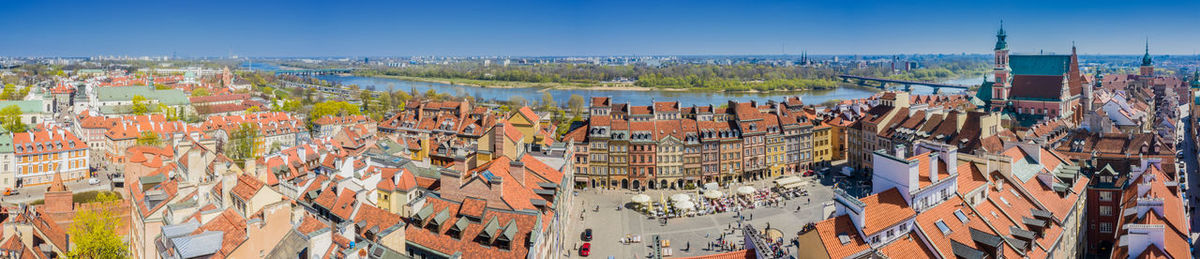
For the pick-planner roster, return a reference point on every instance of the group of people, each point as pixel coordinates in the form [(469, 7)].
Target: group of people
[(792, 192), (742, 202)]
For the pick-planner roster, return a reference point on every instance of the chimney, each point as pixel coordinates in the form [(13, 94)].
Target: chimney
[(460, 163), (498, 140), (933, 167), (517, 169), (900, 151)]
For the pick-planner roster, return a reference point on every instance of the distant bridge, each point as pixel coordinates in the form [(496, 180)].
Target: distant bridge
[(883, 83), (313, 72)]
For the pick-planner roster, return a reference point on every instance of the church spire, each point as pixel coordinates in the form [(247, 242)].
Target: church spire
[(1000, 35), (1146, 58)]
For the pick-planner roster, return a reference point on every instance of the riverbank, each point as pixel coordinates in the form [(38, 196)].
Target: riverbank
[(491, 83), (686, 97), (582, 86)]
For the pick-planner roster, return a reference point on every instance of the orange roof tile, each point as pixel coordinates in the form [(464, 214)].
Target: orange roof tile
[(830, 231), (883, 210)]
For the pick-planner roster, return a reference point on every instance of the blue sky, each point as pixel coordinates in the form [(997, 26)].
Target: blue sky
[(569, 27)]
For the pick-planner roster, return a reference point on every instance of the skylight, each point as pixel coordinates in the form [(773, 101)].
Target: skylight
[(942, 226), (961, 217)]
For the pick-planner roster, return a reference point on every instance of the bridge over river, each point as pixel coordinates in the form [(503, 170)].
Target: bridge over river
[(883, 83)]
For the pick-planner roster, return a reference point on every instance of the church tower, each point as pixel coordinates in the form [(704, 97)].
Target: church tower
[(1001, 70), (1147, 69)]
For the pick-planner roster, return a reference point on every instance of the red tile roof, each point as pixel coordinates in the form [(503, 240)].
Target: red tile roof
[(233, 227), (438, 240), (310, 224), (247, 187), (831, 229), (371, 218), (883, 210), (528, 113)]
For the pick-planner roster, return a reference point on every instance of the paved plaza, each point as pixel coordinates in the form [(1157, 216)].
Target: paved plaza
[(610, 225)]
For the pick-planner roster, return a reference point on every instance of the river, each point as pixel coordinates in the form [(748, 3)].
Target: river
[(534, 94), (685, 98)]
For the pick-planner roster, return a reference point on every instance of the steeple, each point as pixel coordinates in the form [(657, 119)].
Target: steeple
[(1001, 70), (1146, 58), (1000, 35), (1147, 69)]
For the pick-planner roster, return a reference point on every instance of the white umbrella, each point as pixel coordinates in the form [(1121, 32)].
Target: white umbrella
[(713, 194), (745, 190), (641, 198), (681, 197), (685, 205)]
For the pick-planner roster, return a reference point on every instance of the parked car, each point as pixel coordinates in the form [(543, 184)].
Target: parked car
[(10, 192), (93, 181), (585, 249), (587, 234)]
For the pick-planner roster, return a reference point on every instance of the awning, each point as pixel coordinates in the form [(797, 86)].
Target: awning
[(745, 190), (640, 198), (681, 197), (713, 194), (685, 205), (789, 182)]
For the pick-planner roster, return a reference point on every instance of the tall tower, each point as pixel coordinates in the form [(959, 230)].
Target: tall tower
[(1001, 70), (1147, 69)]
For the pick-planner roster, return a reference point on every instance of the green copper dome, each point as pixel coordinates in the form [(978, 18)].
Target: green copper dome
[(1146, 58), (1000, 35)]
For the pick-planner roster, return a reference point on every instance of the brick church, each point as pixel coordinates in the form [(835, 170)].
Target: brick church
[(1034, 88)]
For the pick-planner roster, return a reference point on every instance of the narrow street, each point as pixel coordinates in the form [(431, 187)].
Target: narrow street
[(1189, 158)]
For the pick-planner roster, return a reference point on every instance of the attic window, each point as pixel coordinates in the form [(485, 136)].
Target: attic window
[(942, 226), (961, 217)]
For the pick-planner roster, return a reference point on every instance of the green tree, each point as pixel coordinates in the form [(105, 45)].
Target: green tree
[(10, 117), (431, 94), (94, 232), (516, 100), (335, 108), (140, 105), (547, 99), (149, 138), (292, 105), (241, 144), (10, 90), (200, 92), (575, 103)]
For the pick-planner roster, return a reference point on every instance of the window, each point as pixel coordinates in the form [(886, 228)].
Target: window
[(1106, 210), (1106, 196), (1106, 227), (961, 217), (942, 226)]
